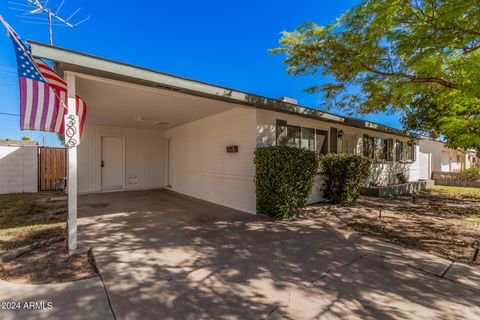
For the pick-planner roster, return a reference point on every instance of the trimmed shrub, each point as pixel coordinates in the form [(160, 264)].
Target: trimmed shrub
[(284, 179), (472, 171), (344, 176)]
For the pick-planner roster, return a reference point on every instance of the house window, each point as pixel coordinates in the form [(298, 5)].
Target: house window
[(380, 150), (293, 136), (368, 146), (301, 137), (376, 148), (308, 139), (405, 151), (321, 141), (349, 143)]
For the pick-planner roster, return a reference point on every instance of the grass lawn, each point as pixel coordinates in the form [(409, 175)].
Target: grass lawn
[(29, 218), (444, 221), (456, 191)]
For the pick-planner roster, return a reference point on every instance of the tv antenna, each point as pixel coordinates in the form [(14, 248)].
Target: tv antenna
[(35, 7)]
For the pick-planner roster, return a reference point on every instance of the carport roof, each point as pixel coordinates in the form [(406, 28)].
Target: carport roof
[(68, 60)]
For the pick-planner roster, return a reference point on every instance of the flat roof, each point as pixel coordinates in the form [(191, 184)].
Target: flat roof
[(69, 60)]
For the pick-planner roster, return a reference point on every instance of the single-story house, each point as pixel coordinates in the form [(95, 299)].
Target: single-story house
[(444, 159), (147, 129)]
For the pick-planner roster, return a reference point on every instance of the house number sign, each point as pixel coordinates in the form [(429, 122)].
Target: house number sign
[(72, 131)]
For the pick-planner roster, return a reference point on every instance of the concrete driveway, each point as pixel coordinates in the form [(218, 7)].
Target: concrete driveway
[(166, 256)]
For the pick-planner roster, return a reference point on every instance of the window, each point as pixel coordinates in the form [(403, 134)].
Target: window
[(281, 132), (368, 146), (308, 139), (300, 137), (293, 136), (376, 148), (349, 143), (405, 151), (321, 141), (380, 149)]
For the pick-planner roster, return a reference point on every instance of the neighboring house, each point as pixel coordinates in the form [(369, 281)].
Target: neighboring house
[(444, 159), (18, 166), (146, 129)]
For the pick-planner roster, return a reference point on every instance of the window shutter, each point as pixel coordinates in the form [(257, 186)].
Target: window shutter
[(333, 140), (390, 149), (281, 133), (414, 155)]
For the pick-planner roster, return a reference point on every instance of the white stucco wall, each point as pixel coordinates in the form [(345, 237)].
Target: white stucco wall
[(18, 169), (144, 158), (203, 169), (456, 158)]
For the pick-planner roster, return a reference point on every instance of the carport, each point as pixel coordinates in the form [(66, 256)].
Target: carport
[(149, 130)]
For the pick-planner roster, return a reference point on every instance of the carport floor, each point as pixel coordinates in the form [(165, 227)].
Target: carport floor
[(167, 256)]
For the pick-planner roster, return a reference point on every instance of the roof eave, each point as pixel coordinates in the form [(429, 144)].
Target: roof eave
[(157, 79)]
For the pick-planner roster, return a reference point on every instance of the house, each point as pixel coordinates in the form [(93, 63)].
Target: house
[(147, 129), (444, 159)]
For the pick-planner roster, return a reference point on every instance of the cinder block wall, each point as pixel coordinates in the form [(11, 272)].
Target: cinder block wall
[(18, 169)]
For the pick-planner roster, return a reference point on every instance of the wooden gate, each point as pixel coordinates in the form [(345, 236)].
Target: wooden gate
[(52, 166)]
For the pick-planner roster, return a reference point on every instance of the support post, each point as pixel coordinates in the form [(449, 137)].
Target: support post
[(72, 169)]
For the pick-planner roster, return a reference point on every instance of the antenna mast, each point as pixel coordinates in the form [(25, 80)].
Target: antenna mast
[(35, 7)]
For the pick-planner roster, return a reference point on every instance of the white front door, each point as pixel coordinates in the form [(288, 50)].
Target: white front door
[(112, 163), (445, 161)]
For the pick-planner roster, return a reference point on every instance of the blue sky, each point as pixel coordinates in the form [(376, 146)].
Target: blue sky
[(221, 42)]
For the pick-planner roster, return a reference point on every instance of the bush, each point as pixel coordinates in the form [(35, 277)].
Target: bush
[(472, 171), (284, 179), (344, 176)]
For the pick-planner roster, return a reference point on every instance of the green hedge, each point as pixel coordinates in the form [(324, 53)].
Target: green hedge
[(344, 176), (284, 179)]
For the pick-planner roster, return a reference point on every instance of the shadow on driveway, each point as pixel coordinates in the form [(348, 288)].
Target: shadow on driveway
[(164, 255)]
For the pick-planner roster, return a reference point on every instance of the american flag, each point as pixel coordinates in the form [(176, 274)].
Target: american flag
[(43, 93)]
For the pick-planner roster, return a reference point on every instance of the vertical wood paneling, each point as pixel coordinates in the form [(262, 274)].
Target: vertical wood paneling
[(52, 167), (144, 157)]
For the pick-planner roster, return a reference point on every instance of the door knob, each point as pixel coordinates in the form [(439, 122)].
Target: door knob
[(102, 163)]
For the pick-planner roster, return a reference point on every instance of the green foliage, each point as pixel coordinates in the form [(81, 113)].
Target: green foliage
[(344, 176), (472, 171), (284, 179), (419, 58), (26, 138)]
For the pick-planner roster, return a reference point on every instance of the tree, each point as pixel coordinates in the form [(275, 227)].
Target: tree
[(419, 57), (26, 138)]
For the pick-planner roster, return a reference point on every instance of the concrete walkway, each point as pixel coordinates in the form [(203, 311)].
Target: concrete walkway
[(167, 256), (82, 300)]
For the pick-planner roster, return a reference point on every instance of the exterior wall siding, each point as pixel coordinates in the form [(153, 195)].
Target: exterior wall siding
[(18, 169), (203, 169), (383, 172), (437, 150), (144, 158)]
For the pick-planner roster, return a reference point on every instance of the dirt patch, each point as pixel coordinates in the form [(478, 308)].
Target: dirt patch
[(26, 219), (443, 225), (49, 264)]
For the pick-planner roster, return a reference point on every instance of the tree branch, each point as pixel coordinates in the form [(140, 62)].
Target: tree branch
[(411, 78)]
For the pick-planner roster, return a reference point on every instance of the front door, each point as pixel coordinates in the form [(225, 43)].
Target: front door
[(112, 163)]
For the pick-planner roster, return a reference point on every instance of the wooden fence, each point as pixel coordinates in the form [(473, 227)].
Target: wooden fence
[(51, 166), (456, 179)]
